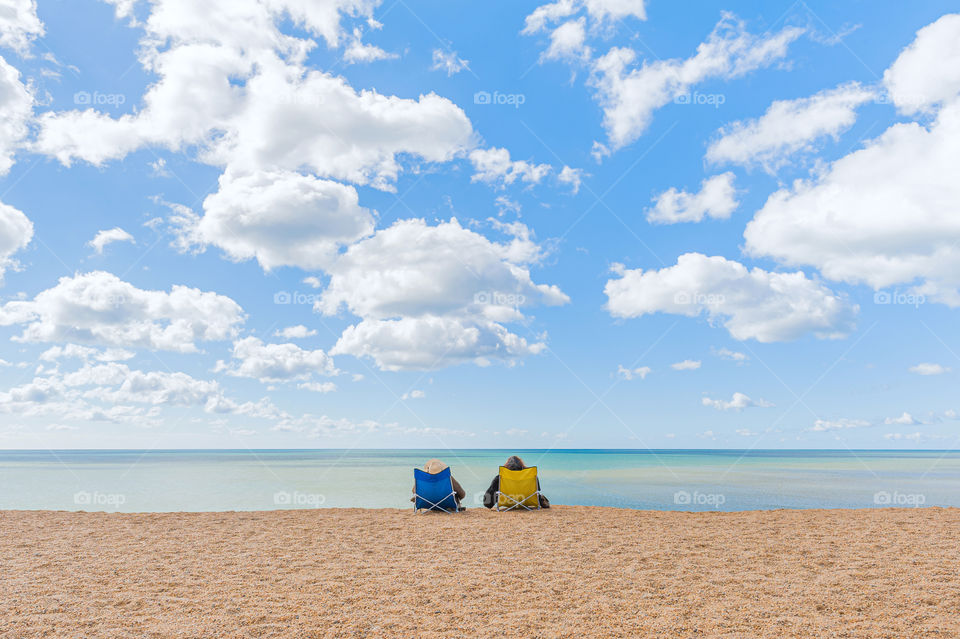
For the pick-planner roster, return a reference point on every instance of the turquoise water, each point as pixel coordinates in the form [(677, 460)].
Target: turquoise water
[(139, 481)]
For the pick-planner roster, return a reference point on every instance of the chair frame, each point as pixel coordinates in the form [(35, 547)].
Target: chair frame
[(516, 503), (435, 507)]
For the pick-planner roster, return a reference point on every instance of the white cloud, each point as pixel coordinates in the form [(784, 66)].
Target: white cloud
[(16, 231), (929, 369), (295, 332), (276, 362), (927, 72), (432, 296), (629, 374), (629, 97), (100, 308), (824, 425), (568, 41), (19, 25), (279, 218), (69, 351), (882, 215), (109, 236), (789, 127), (571, 176), (424, 343), (542, 15), (751, 304), (717, 199), (906, 419), (16, 103), (726, 353), (413, 268), (745, 432), (686, 365), (599, 11), (318, 387), (494, 166), (916, 436), (738, 402), (357, 51), (449, 62), (234, 86), (414, 394)]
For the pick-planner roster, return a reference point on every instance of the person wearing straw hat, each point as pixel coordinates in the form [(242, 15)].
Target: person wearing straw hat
[(435, 466)]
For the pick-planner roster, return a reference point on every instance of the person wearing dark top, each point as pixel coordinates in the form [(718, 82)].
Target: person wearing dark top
[(513, 463)]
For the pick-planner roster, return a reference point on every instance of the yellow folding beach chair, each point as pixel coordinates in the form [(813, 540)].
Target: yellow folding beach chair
[(518, 489)]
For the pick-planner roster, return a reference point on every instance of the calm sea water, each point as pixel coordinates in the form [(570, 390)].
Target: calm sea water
[(138, 481)]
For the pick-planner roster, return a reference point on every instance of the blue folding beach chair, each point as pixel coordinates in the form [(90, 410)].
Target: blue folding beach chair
[(434, 491)]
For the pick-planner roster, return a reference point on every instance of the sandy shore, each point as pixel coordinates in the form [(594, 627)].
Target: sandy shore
[(566, 572)]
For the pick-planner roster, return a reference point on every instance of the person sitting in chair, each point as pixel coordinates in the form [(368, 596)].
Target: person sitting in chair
[(435, 466), (512, 463)]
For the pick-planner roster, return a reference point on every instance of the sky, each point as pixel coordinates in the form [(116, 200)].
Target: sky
[(580, 224)]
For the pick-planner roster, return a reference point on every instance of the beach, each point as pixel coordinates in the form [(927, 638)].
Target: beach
[(565, 572)]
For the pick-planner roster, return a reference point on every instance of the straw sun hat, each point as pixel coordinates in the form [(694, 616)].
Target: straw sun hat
[(434, 466)]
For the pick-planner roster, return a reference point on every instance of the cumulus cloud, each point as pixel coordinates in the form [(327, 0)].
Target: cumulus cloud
[(19, 25), (906, 419), (358, 51), (824, 425), (789, 127), (449, 62), (717, 199), (568, 41), (16, 231), (599, 11), (927, 368), (414, 394), (16, 103), (882, 215), (751, 304), (630, 96), (100, 308), (295, 332), (629, 374), (494, 166), (276, 362), (726, 353), (686, 365), (75, 351), (571, 176), (430, 296), (234, 86), (278, 218), (927, 72), (738, 402), (109, 236)]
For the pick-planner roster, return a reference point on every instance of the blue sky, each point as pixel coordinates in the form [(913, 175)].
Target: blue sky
[(586, 224)]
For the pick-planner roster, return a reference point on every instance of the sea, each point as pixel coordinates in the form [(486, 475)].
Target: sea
[(689, 480)]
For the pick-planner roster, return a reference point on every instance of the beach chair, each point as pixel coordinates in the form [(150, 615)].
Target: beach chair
[(434, 491), (518, 489)]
